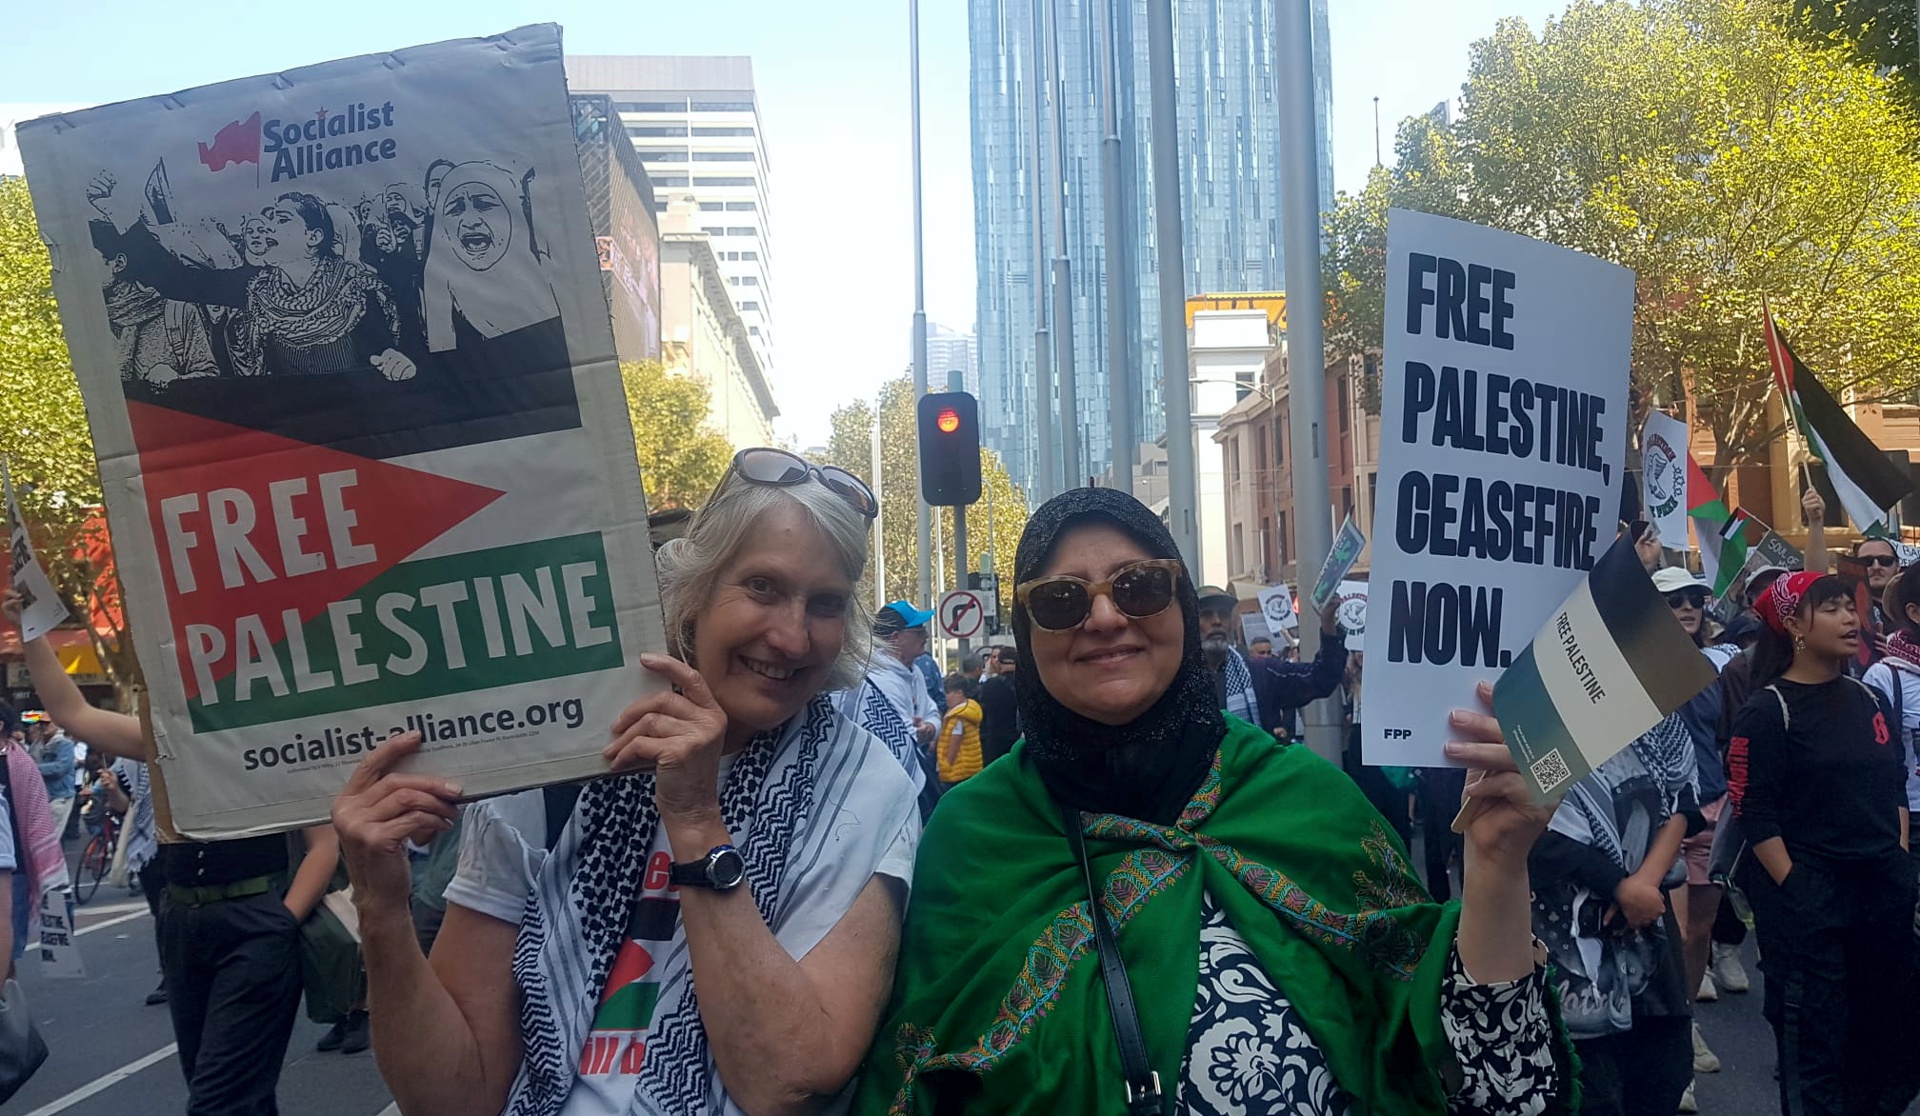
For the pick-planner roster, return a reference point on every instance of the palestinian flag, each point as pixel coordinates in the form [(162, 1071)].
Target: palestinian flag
[(1722, 533), (1849, 470)]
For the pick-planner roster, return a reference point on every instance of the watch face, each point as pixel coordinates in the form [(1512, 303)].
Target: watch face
[(726, 869)]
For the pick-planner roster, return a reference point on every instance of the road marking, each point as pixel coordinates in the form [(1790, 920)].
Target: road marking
[(114, 908), (85, 930), (106, 1081)]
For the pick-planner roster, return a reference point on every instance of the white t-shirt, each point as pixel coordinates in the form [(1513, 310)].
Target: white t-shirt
[(8, 857), (865, 822)]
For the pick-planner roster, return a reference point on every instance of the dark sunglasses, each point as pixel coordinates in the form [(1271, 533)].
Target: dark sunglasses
[(1887, 560), (778, 468), (1696, 598), (1063, 602)]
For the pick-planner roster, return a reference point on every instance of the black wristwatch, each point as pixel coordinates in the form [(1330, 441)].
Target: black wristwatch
[(721, 869)]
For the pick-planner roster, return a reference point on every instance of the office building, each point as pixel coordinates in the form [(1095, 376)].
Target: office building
[(950, 351), (1229, 158), (702, 336), (695, 123)]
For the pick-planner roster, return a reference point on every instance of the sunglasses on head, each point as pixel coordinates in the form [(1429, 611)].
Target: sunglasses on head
[(1695, 598), (1887, 560), (1063, 602), (777, 468)]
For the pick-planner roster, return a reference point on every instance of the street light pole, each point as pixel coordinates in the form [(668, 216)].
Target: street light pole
[(1171, 255), (1120, 389), (1072, 472), (1306, 360), (922, 526), (1042, 473)]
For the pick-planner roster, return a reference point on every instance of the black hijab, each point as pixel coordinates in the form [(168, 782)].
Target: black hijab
[(1150, 768)]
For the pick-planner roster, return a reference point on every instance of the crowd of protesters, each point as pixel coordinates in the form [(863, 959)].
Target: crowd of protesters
[(1084, 870)]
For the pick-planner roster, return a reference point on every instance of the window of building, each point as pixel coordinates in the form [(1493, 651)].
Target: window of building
[(1346, 401), (667, 180), (656, 129), (741, 207), (1280, 542), (1260, 454), (1346, 501), (1233, 461), (749, 306), (710, 207), (749, 280), (661, 156), (741, 232), (1373, 489), (712, 231), (733, 280), (723, 156), (1279, 446), (1266, 547), (723, 181), (749, 255), (723, 106), (754, 330), (650, 106), (723, 131), (1239, 549)]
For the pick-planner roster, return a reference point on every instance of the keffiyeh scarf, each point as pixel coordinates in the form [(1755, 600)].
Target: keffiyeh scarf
[(1238, 682), (577, 915)]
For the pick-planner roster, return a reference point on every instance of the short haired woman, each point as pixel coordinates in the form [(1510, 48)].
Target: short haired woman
[(1277, 951), (758, 848), (1817, 779)]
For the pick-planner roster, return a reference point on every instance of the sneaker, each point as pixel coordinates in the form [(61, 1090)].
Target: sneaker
[(1726, 970), (1704, 1060), (360, 1034), (335, 1035), (158, 996), (1709, 991), (1687, 1103)]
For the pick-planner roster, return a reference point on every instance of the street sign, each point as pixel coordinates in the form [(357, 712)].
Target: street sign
[(963, 614)]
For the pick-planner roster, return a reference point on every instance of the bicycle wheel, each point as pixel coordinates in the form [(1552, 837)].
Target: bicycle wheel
[(95, 860)]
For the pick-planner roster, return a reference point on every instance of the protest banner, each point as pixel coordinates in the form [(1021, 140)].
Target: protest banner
[(41, 609), (1345, 551), (1608, 665), (1276, 607), (1253, 625), (345, 350), (1350, 612), (1503, 443), (59, 954), (1663, 477)]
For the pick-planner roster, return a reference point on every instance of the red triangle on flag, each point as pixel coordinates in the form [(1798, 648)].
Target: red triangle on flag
[(250, 523)]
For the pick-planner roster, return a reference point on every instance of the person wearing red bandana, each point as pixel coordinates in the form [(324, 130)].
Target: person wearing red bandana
[(1817, 778)]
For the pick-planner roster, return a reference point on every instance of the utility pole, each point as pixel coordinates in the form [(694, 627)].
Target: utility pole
[(1376, 132), (1171, 254), (1120, 390), (1306, 359), (1042, 474), (923, 529), (1072, 470)]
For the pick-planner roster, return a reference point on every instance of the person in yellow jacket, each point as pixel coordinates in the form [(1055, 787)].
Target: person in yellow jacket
[(959, 747)]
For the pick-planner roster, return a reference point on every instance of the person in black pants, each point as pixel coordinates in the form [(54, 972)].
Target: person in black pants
[(1439, 796), (229, 922), (999, 707), (1817, 779)]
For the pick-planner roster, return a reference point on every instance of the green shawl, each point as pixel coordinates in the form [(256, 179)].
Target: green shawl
[(995, 1001)]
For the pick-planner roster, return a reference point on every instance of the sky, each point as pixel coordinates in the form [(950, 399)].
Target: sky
[(833, 86)]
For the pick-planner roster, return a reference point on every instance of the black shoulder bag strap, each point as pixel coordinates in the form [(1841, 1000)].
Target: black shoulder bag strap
[(1143, 1085)]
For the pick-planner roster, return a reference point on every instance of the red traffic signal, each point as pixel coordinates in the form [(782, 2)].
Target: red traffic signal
[(949, 429)]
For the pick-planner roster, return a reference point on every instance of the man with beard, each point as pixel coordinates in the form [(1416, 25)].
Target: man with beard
[(1265, 691)]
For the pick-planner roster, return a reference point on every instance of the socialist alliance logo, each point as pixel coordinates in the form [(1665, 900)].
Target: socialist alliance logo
[(237, 142)]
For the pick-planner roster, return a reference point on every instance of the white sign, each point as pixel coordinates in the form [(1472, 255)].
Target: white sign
[(1276, 605), (59, 956), (1254, 626), (1502, 453), (41, 609), (1350, 611), (343, 340), (1663, 477), (962, 613)]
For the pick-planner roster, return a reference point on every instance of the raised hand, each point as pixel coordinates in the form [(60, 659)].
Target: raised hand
[(677, 734), (380, 809)]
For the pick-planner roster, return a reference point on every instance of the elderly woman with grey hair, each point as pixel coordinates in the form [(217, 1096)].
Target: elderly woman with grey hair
[(756, 846)]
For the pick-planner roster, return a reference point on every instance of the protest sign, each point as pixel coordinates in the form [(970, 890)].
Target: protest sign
[(1276, 606), (1350, 611), (1253, 626), (1503, 443), (59, 955), (345, 349), (1345, 551), (1609, 665), (41, 609), (1772, 550), (1663, 477)]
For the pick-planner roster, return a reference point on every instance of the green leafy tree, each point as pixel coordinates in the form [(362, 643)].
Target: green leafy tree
[(1880, 33), (995, 522), (681, 457), (44, 434), (1721, 157)]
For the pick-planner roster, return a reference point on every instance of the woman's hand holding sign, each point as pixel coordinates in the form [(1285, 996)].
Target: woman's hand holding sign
[(678, 734), (379, 810)]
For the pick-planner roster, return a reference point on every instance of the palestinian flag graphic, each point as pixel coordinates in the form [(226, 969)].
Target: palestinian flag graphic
[(1723, 538), (1849, 470), (632, 988)]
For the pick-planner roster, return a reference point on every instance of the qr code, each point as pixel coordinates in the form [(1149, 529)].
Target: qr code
[(1550, 770)]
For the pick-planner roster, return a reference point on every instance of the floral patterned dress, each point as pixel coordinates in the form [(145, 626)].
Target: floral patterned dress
[(1248, 1052)]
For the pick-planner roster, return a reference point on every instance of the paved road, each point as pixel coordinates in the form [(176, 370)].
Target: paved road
[(112, 1056)]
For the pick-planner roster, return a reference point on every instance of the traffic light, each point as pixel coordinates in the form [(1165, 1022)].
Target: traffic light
[(949, 449)]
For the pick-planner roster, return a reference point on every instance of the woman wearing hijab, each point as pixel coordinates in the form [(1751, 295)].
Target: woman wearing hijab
[(488, 302), (1601, 876), (1817, 779), (1260, 938)]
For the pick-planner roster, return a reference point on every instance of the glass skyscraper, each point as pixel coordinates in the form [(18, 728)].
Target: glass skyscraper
[(1229, 161)]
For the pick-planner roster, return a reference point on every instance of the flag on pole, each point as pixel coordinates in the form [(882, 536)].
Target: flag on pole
[(1723, 538), (1848, 469)]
